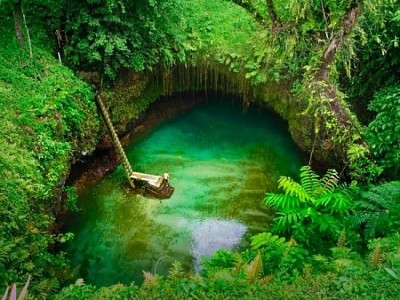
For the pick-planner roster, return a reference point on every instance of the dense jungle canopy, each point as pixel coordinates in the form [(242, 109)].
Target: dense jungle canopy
[(329, 68)]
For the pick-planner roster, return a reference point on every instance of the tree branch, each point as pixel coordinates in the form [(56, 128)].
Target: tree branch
[(328, 57)]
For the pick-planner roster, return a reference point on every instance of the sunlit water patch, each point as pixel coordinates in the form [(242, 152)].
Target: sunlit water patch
[(221, 162)]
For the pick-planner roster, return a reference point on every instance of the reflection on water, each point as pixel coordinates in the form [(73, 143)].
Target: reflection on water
[(221, 163), (211, 235)]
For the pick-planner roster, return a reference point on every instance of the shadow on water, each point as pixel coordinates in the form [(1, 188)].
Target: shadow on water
[(221, 162)]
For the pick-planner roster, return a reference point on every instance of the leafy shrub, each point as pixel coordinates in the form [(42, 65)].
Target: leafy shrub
[(311, 211), (384, 131), (377, 210)]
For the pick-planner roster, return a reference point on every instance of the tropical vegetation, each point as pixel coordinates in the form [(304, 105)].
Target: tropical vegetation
[(329, 68)]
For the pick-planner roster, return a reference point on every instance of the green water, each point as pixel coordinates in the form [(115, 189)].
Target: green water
[(221, 162)]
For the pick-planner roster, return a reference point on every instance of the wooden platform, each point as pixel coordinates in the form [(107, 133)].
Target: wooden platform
[(154, 185), (151, 179)]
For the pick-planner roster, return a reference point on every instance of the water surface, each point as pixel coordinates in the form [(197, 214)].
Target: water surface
[(221, 162)]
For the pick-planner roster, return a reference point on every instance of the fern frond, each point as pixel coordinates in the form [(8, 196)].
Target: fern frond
[(279, 201), (239, 263), (176, 270), (348, 190), (327, 223), (197, 278), (343, 253), (329, 182), (284, 221), (266, 239), (371, 226), (342, 239), (150, 280), (343, 263), (342, 203), (293, 188), (309, 180), (266, 279), (359, 219), (223, 274), (320, 259), (307, 271), (5, 250), (210, 271), (46, 287), (292, 242), (336, 202), (363, 205), (254, 269), (376, 256)]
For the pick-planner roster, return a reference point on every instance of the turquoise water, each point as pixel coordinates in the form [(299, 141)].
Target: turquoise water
[(221, 162)]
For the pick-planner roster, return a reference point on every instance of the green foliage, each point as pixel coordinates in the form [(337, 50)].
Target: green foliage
[(312, 210), (347, 276), (384, 253), (377, 210), (266, 238), (280, 257), (222, 258), (48, 117), (362, 167), (384, 131), (376, 63), (150, 280), (71, 198), (255, 269), (107, 36), (176, 271)]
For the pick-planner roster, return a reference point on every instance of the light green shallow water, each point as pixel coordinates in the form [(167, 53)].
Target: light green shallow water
[(221, 162)]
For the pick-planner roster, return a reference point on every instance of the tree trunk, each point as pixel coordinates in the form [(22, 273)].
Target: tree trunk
[(272, 14), (328, 95), (327, 59), (17, 22)]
